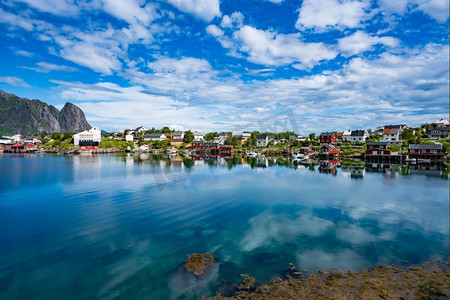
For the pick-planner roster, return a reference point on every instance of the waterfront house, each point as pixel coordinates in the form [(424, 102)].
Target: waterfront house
[(22, 148), (425, 151), (262, 140), (380, 152), (31, 140), (5, 140), (88, 140), (330, 150), (355, 136), (391, 134), (198, 136), (154, 137), (441, 132), (327, 138)]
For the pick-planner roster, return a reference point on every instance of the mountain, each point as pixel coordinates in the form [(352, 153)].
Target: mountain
[(31, 117)]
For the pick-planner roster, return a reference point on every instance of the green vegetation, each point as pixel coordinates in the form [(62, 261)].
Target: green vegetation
[(6, 131), (394, 148), (188, 137), (118, 144)]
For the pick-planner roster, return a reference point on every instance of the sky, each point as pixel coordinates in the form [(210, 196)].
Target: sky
[(218, 65)]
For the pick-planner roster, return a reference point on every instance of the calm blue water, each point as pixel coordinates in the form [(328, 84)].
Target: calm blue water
[(120, 227)]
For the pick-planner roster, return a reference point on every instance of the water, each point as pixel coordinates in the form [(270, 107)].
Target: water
[(120, 227)]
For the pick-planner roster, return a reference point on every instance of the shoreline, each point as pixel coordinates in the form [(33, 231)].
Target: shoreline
[(430, 280)]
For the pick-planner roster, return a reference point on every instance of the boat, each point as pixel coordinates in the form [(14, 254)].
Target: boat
[(128, 150), (170, 151), (252, 154), (424, 161)]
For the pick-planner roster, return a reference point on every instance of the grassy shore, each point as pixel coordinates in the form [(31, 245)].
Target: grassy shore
[(428, 281)]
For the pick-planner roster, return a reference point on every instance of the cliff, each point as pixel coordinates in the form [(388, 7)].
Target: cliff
[(31, 117)]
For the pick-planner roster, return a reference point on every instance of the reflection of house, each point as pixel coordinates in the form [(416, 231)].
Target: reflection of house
[(154, 137), (262, 140), (391, 134), (330, 150), (329, 166), (424, 151), (262, 162), (327, 138), (88, 139), (354, 171), (355, 136), (377, 167)]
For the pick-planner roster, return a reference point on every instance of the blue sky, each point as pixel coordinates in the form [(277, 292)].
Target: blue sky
[(227, 65)]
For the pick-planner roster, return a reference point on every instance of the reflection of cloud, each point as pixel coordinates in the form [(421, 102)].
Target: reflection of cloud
[(314, 260), (184, 283), (357, 235), (268, 227)]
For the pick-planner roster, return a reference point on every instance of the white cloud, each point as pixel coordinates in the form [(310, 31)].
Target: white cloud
[(56, 7), (203, 9), (15, 20), (15, 81), (436, 9), (45, 67), (275, 1), (214, 31), (273, 49), (328, 14), (360, 42), (236, 19), (24, 53)]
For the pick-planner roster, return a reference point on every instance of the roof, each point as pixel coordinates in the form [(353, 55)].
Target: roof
[(400, 126), (442, 121), (358, 133), (263, 136), (377, 144), (326, 134), (425, 147), (154, 135)]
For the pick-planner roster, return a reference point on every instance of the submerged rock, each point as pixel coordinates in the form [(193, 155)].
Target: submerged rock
[(196, 263)]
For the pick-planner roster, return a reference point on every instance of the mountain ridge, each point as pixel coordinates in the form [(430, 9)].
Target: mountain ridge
[(31, 117)]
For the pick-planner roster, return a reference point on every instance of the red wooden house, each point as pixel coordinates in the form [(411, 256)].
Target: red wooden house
[(327, 138), (330, 150), (424, 151)]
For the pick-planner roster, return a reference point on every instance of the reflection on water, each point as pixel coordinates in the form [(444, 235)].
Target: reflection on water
[(120, 226)]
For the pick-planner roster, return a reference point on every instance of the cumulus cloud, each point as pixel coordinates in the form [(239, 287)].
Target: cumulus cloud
[(203, 9), (360, 42), (15, 81), (236, 19), (275, 49), (329, 14), (435, 9)]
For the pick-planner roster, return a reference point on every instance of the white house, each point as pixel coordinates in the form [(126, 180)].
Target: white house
[(223, 136), (138, 132), (246, 136), (129, 138), (178, 135), (155, 137), (262, 140), (439, 133), (355, 136), (198, 136), (92, 135), (5, 140), (298, 138), (441, 123), (391, 134)]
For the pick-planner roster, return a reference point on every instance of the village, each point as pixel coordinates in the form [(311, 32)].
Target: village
[(425, 147)]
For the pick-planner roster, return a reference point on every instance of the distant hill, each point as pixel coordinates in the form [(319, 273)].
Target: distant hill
[(31, 117)]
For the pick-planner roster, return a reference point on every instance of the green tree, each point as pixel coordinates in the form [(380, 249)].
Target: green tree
[(188, 137), (210, 136), (68, 135), (43, 134), (56, 136), (312, 136)]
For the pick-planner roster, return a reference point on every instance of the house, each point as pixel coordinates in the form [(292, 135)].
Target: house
[(139, 132), (154, 137), (262, 140), (439, 132), (298, 138), (330, 150), (168, 135), (355, 136), (32, 140), (16, 138), (424, 151), (5, 140), (305, 150), (198, 136), (178, 135), (245, 137), (129, 138), (391, 134), (88, 140), (327, 138), (223, 136), (176, 142), (22, 147), (441, 123), (377, 149)]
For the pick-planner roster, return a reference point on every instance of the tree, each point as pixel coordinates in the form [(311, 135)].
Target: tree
[(188, 137), (56, 136), (43, 134), (312, 136), (68, 135), (210, 136)]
